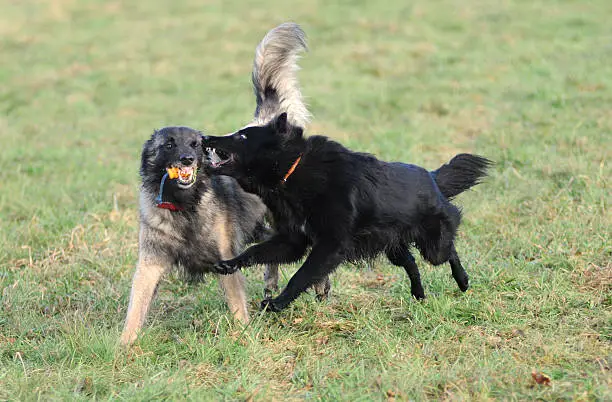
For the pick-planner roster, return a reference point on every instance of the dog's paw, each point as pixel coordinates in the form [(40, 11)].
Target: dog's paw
[(127, 338), (225, 268), (417, 291), (269, 292), (464, 284), (419, 295), (270, 305), (322, 290), (321, 297)]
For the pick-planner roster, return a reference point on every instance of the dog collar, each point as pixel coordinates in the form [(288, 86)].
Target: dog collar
[(169, 206), (291, 169), (165, 204)]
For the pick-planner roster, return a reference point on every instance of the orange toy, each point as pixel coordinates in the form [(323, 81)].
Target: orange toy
[(173, 172)]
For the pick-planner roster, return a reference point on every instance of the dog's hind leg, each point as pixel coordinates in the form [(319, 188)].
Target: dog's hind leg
[(461, 277), (144, 286), (401, 257), (322, 289), (271, 280)]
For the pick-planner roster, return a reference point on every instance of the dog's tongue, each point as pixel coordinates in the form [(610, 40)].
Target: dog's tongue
[(185, 173)]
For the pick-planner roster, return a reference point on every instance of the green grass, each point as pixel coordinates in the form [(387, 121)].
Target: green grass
[(526, 83)]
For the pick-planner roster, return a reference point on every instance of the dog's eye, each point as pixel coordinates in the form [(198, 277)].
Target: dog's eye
[(169, 145), (242, 137), (194, 144)]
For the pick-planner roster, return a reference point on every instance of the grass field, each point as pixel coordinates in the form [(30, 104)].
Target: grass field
[(525, 83)]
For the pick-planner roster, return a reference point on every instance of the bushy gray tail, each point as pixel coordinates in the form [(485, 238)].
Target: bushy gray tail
[(461, 173), (274, 75)]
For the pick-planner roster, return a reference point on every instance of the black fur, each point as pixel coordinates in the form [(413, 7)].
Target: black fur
[(344, 205)]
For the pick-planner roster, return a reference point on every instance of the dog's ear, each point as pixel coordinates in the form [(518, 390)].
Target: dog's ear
[(284, 127), (280, 124), (148, 153)]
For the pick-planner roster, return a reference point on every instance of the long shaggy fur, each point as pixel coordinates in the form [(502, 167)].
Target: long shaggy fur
[(274, 75), (343, 205)]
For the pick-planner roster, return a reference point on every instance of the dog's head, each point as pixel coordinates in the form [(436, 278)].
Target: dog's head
[(253, 149), (173, 150)]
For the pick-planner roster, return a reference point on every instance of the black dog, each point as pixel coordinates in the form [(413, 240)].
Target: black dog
[(346, 205)]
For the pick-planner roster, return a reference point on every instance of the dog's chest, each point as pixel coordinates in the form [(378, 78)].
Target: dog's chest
[(190, 240), (200, 249)]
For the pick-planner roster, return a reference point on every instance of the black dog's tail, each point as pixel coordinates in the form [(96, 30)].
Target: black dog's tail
[(461, 173)]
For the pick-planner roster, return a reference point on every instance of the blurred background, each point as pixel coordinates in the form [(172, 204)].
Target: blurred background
[(526, 83)]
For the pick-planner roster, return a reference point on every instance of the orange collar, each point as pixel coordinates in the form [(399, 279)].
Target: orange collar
[(291, 169)]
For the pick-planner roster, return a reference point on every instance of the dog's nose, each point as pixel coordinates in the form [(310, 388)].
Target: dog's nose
[(187, 160)]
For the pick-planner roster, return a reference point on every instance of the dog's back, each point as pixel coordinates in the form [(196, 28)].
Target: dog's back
[(401, 203), (397, 203), (385, 203)]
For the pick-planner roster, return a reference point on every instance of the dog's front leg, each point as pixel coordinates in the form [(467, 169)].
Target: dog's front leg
[(233, 289), (233, 285), (280, 248), (323, 259), (149, 272)]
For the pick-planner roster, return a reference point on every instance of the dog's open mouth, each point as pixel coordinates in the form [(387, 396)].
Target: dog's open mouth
[(184, 175), (220, 158)]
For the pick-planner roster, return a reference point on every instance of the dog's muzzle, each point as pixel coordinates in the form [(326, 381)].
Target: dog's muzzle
[(184, 175)]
